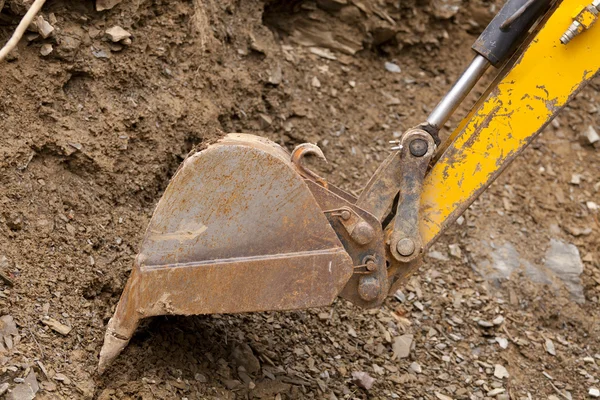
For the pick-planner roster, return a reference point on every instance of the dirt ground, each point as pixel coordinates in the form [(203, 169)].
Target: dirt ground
[(91, 133)]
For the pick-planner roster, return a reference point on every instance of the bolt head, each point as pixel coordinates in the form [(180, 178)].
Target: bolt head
[(369, 288), (418, 147), (406, 247), (345, 214), (371, 265), (363, 233)]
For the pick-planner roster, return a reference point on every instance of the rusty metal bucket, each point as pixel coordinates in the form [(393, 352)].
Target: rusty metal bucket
[(236, 230)]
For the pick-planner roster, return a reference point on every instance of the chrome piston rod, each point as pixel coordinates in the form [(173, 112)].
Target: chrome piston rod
[(446, 107)]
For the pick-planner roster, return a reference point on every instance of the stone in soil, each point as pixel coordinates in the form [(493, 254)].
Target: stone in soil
[(415, 367), (402, 346), (564, 261), (563, 266), (43, 27), (46, 49), (484, 324), (116, 34), (242, 355), (363, 379), (500, 372), (502, 342), (549, 346), (391, 67), (454, 250), (57, 326), (26, 390), (591, 136), (102, 5)]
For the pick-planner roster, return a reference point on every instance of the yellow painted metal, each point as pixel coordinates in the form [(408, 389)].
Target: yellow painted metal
[(540, 83), (587, 17)]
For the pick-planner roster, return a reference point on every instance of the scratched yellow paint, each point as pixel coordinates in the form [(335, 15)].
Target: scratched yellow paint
[(524, 101), (587, 18)]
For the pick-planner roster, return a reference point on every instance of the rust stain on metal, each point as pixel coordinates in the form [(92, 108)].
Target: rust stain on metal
[(219, 242)]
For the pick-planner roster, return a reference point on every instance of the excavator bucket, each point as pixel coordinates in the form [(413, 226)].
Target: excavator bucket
[(237, 230)]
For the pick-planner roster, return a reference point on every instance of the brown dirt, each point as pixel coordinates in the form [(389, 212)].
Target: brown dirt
[(91, 134)]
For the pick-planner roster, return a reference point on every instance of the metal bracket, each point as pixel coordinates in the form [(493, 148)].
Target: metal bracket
[(418, 148), (359, 229)]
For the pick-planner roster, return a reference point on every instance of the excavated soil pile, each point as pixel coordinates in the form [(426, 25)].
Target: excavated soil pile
[(93, 124)]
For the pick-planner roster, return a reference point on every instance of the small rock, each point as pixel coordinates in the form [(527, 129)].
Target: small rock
[(3, 388), (589, 360), (57, 326), (62, 378), (265, 120), (43, 27), (445, 9), (495, 392), (323, 316), (593, 392), (401, 297), (391, 67), (276, 75), (363, 379), (200, 378), (352, 332), (26, 390), (315, 82), (505, 396), (4, 276), (242, 355), (232, 384), (99, 53), (455, 251), (500, 372), (376, 368), (102, 5), (116, 34), (402, 346), (416, 368), (323, 53), (8, 329), (592, 136), (484, 323), (575, 179), (436, 255), (442, 396), (592, 206), (498, 320), (503, 342), (549, 346), (564, 261), (46, 49)]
